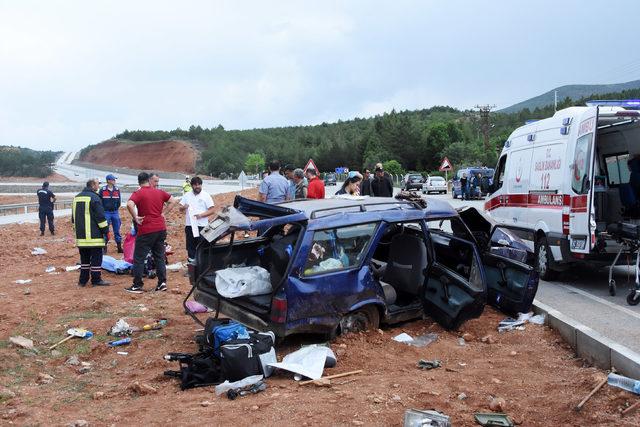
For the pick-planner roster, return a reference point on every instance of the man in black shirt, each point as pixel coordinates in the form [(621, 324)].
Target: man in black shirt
[(381, 186), (365, 186), (45, 209)]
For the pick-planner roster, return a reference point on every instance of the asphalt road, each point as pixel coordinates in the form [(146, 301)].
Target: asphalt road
[(583, 294)]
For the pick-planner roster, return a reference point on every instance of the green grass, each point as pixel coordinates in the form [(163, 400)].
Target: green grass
[(4, 343)]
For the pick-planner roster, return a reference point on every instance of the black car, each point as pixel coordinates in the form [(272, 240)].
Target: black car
[(412, 181), (330, 179)]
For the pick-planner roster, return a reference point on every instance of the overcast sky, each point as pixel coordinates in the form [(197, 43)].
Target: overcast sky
[(74, 73)]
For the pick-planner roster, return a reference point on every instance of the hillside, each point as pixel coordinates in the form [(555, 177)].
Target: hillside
[(165, 155), (573, 92), (24, 162)]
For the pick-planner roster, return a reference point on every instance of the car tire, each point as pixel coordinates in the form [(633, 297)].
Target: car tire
[(366, 318), (543, 259)]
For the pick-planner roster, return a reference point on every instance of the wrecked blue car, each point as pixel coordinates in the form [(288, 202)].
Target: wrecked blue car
[(341, 264)]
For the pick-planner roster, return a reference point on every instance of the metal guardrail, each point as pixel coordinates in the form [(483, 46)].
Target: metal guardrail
[(23, 208)]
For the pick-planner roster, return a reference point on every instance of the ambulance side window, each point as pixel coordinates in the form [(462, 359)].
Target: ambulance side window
[(499, 175), (582, 165)]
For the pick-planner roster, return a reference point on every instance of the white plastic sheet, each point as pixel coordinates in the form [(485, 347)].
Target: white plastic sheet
[(308, 361), (236, 282)]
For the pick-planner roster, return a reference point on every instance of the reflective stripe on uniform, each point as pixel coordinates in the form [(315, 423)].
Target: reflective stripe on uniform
[(103, 224)]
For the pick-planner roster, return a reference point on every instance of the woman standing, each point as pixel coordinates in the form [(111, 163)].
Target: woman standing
[(351, 185)]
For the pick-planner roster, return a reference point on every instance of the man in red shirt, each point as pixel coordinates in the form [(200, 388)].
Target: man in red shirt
[(152, 230), (315, 190)]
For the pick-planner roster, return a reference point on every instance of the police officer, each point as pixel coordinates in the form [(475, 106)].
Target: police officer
[(90, 227), (45, 207), (110, 196)]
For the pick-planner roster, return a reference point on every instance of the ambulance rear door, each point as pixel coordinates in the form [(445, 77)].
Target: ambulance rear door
[(581, 226)]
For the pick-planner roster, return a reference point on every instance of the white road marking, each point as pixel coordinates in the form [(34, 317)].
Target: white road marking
[(601, 300)]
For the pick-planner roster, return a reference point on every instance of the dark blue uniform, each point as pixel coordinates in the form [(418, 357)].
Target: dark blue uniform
[(45, 209), (111, 201)]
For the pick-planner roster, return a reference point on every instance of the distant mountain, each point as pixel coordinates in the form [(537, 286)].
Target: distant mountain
[(572, 91)]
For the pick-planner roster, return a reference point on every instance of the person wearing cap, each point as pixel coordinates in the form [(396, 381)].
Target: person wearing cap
[(111, 201), (45, 207), (90, 227), (381, 186), (316, 185)]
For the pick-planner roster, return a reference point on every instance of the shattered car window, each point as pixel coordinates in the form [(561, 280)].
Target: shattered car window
[(338, 248)]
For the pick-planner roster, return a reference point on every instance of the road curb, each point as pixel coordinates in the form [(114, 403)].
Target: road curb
[(589, 344)]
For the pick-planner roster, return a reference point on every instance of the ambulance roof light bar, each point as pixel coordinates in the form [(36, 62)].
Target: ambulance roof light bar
[(632, 104)]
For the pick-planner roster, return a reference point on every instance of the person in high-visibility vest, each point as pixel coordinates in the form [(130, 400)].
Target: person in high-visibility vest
[(186, 187), (90, 228)]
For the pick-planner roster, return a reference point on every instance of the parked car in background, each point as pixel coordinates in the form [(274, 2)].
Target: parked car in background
[(337, 265), (330, 179), (412, 181), (434, 184), (479, 191)]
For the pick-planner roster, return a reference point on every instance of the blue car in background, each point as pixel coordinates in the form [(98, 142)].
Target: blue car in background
[(338, 265), (478, 191)]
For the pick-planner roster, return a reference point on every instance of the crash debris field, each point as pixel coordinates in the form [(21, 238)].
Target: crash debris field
[(533, 370)]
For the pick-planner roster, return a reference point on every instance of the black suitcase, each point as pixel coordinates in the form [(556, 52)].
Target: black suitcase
[(241, 358)]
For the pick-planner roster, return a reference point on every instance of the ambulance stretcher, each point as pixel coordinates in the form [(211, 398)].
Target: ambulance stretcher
[(628, 235)]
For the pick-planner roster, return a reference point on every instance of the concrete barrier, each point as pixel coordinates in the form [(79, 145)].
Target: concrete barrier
[(589, 344)]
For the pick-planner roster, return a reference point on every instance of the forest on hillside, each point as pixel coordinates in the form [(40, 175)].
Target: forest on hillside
[(417, 140), (17, 161)]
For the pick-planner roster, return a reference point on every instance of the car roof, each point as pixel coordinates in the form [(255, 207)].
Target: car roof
[(314, 208)]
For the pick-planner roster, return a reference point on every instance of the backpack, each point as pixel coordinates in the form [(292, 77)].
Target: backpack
[(244, 357), (219, 331), (197, 370)]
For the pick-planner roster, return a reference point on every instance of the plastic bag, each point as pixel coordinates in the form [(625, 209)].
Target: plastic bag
[(235, 282), (245, 382)]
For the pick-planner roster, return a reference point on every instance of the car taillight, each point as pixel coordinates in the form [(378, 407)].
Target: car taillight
[(279, 309)]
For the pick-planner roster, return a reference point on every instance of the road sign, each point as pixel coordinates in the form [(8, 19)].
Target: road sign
[(445, 165), (310, 164), (339, 170)]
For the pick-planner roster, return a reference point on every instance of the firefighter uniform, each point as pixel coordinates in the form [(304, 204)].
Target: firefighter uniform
[(111, 201), (90, 226)]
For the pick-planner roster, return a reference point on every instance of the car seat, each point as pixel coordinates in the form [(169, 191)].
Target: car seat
[(278, 253), (406, 264)]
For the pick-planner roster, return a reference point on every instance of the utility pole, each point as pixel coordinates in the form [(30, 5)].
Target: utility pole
[(484, 111), (555, 101)]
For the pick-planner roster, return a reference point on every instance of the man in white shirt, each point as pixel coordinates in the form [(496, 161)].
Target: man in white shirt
[(198, 206)]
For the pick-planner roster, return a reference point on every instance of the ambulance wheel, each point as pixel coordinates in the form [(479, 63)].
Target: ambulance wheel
[(633, 298), (612, 288), (543, 259), (366, 318)]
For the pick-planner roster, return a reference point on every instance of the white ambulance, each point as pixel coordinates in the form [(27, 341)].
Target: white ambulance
[(560, 181)]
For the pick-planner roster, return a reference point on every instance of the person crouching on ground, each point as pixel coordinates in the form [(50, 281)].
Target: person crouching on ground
[(147, 208), (90, 237), (351, 185), (198, 205)]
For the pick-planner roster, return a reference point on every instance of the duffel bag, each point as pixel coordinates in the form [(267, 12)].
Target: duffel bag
[(196, 370), (219, 331), (241, 358)]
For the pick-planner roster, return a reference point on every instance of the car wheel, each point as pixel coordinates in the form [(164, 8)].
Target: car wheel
[(543, 259), (366, 318)]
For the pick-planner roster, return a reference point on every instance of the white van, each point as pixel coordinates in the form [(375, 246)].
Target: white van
[(560, 181)]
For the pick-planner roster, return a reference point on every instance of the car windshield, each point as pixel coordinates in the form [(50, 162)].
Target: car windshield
[(414, 177), (437, 178)]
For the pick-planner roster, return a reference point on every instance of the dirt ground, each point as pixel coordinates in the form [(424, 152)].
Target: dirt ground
[(54, 177), (168, 156), (534, 371)]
